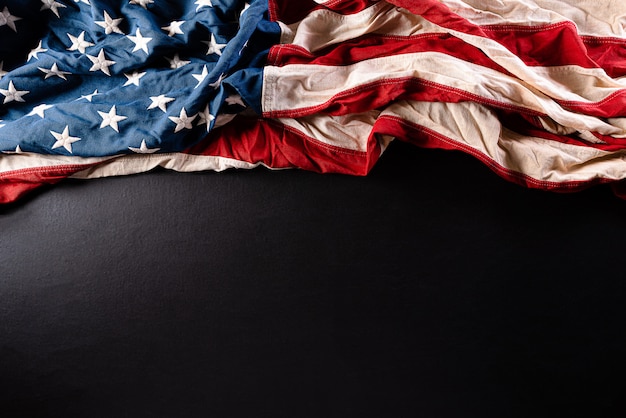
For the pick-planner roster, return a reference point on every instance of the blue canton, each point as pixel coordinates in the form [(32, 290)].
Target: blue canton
[(108, 77)]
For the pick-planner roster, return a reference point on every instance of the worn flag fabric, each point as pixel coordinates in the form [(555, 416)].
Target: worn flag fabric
[(535, 89)]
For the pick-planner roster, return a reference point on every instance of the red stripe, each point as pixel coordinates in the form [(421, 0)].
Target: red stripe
[(427, 138), (530, 126), (279, 146), (543, 45), (560, 44), (613, 106), (290, 11), (439, 14), (552, 45), (17, 183), (608, 53), (376, 46)]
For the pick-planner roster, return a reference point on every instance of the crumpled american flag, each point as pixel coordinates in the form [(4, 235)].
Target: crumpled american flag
[(534, 89)]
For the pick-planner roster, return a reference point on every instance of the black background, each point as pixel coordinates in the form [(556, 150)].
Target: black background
[(430, 288)]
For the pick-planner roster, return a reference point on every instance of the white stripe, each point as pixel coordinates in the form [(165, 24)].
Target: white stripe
[(31, 161), (600, 18), (477, 128), (300, 86), (349, 132), (119, 165), (133, 164), (322, 28)]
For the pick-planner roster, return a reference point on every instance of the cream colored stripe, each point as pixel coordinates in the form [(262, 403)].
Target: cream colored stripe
[(349, 132), (119, 165), (133, 164), (302, 86), (24, 161), (477, 128), (322, 28), (600, 18)]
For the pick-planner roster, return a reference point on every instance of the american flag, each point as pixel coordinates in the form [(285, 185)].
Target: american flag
[(535, 89)]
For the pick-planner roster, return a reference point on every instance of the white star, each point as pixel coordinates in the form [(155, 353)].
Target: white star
[(88, 97), (84, 1), (100, 63), (12, 94), (160, 101), (64, 139), (140, 41), (79, 43), (110, 25), (142, 3), (235, 99), (2, 72), (176, 62), (143, 149), (39, 110), (133, 78), (182, 121), (52, 5), (214, 47), (54, 71), (6, 18), (1, 124), (201, 77), (203, 3), (174, 28), (111, 119), (34, 52), (206, 117), (216, 83)]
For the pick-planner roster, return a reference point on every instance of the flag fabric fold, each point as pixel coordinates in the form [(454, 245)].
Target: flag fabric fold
[(535, 89)]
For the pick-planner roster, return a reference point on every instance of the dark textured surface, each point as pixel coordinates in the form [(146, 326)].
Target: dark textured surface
[(431, 288)]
